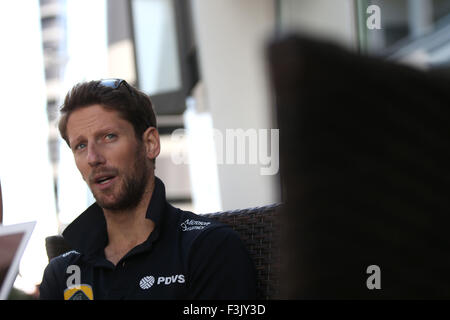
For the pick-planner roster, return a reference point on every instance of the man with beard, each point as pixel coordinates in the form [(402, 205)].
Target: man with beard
[(131, 243)]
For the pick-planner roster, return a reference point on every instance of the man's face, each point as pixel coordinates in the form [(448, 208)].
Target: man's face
[(111, 160)]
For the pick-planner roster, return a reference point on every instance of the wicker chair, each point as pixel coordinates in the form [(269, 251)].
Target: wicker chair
[(259, 230)]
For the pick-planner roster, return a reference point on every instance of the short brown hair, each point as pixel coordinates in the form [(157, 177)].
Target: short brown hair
[(132, 104)]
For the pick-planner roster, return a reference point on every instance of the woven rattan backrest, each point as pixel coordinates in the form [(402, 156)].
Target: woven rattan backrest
[(259, 230)]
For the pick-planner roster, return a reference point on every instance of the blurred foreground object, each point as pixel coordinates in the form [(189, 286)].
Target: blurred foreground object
[(364, 166)]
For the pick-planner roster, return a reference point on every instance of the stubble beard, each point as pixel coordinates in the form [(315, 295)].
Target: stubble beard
[(132, 186)]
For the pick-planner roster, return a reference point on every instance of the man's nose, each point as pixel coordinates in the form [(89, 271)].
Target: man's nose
[(94, 156)]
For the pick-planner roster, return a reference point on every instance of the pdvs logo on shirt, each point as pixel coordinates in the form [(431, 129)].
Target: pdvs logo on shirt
[(148, 281)]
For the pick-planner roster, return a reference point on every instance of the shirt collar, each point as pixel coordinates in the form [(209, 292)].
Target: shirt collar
[(87, 233)]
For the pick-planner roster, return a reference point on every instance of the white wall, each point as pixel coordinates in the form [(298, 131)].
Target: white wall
[(329, 19), (231, 35)]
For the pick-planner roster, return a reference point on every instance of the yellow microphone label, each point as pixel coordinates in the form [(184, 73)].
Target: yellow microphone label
[(80, 292)]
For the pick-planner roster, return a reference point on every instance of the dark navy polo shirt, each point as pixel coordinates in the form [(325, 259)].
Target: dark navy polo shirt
[(186, 256)]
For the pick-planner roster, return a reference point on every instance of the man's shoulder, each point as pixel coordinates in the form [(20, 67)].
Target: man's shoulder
[(197, 231), (190, 224), (64, 260)]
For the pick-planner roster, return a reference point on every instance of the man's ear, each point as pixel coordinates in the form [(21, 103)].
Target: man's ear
[(150, 137)]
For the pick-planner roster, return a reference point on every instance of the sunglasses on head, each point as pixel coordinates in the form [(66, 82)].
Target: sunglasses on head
[(115, 84)]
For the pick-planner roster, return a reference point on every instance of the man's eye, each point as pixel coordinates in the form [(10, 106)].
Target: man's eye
[(110, 136), (80, 146)]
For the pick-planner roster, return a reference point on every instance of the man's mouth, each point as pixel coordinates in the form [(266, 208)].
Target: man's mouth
[(105, 183), (104, 180)]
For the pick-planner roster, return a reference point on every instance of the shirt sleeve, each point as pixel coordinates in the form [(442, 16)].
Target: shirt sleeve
[(220, 267)]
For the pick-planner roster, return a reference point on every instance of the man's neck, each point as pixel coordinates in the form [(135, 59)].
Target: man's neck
[(128, 228)]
